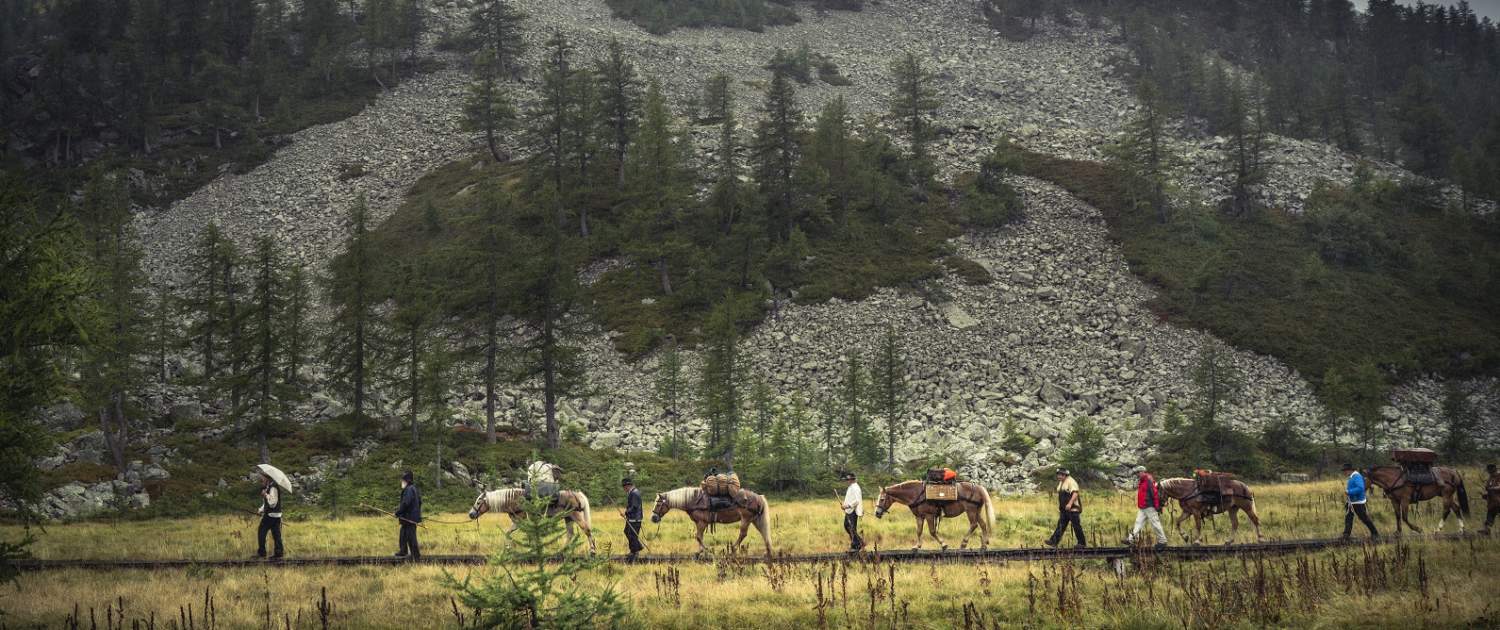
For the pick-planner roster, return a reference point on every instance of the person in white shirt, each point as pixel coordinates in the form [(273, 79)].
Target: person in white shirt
[(270, 517), (854, 507)]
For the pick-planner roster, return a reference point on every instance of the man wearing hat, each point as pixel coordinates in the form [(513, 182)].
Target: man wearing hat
[(1355, 503), (854, 507), (1069, 509), (409, 514), (633, 515), (270, 517), (1148, 503)]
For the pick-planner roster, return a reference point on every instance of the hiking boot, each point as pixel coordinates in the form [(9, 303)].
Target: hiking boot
[(1128, 542), (1160, 546), (1050, 543), (398, 555)]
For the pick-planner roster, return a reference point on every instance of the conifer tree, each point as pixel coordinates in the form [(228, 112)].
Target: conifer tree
[(831, 152), (777, 149), (487, 109), (912, 106), (1249, 145), (619, 92), (862, 444), (212, 261), (297, 328), (478, 301), (669, 391), (413, 341), (110, 369), (660, 191), (888, 389), (1144, 154), (547, 300), (496, 25), (720, 393), (718, 98), (264, 309), (353, 327)]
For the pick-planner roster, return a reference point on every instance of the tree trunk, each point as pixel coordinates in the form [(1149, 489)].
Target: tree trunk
[(412, 376), (549, 379), (666, 277), (489, 381)]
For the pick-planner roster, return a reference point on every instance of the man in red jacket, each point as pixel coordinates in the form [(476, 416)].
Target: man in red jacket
[(1148, 499)]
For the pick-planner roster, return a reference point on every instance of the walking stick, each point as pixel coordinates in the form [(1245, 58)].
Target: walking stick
[(638, 537), (399, 518)]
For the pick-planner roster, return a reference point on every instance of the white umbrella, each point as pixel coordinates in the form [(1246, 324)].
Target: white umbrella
[(278, 477)]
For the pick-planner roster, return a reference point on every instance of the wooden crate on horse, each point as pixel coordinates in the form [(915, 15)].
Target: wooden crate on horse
[(941, 492), (1414, 455)]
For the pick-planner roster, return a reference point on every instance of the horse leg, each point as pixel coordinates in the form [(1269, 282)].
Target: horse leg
[(973, 525), (1405, 513), (701, 525), (588, 532), (932, 527), (744, 529), (920, 521), (1234, 524), (1177, 524), (765, 535), (1198, 528), (1254, 520)]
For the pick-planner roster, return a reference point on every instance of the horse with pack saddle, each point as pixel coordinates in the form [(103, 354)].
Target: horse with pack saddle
[(941, 495), (541, 482), (1413, 479), (719, 500), (1209, 493)]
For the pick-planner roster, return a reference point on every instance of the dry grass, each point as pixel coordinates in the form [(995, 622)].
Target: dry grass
[(1434, 583)]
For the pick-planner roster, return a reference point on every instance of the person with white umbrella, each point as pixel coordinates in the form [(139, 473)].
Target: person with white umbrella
[(272, 482)]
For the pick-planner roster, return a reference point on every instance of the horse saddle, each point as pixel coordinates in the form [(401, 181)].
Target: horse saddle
[(545, 489), (719, 504), (1418, 474)]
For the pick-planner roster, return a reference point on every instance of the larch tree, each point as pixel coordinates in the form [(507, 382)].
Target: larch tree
[(353, 326), (888, 389), (671, 388), (1249, 147), (264, 308), (912, 106), (619, 95), (548, 301), (496, 25), (720, 382), (477, 302), (777, 148), (486, 107), (660, 191), (1143, 153)]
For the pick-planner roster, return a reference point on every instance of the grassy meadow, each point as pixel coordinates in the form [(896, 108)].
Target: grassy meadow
[(1433, 583)]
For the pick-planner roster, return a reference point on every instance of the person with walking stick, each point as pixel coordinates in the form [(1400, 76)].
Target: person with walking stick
[(409, 514), (633, 515)]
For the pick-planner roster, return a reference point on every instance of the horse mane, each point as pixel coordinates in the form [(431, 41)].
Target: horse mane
[(1173, 483), (498, 498), (681, 497)]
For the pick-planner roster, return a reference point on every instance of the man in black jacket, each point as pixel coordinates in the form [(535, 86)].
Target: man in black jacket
[(633, 516), (409, 514)]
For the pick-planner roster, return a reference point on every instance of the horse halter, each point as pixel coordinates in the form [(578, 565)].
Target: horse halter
[(481, 505), (660, 509), (882, 504)]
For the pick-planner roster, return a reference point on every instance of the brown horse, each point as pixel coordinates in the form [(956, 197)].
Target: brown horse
[(572, 506), (1392, 479), (972, 498), (691, 499), (1194, 504)]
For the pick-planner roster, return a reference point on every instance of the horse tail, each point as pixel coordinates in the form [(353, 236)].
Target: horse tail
[(1463, 495), (763, 521), (588, 513), (989, 506)]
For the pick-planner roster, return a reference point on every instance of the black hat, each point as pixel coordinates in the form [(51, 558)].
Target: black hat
[(1489, 467), (1062, 471), (848, 476), (1347, 466), (406, 476), (627, 482)]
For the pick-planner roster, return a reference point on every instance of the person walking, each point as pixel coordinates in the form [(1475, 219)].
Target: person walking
[(1491, 497), (1148, 506), (854, 507), (1069, 509), (633, 516), (1355, 491), (409, 514), (270, 518)]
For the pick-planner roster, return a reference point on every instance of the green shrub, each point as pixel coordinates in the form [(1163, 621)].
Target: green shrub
[(1083, 454), (972, 273)]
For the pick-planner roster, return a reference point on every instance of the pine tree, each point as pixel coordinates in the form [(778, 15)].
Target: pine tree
[(831, 152), (718, 98), (720, 392), (486, 108), (549, 127), (619, 92), (1424, 128), (1144, 154), (297, 328), (264, 309), (1355, 391), (353, 295), (412, 325), (540, 586), (888, 389), (863, 446), (478, 301), (206, 306), (660, 191), (548, 299), (1460, 423), (497, 26), (1083, 455), (669, 391), (1216, 383), (777, 148), (912, 106), (1249, 145), (110, 370)]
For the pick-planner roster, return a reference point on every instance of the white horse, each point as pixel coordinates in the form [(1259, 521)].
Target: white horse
[(755, 510), (572, 505)]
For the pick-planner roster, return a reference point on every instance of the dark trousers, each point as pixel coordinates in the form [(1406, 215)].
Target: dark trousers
[(272, 526), (1065, 518), (851, 525), (1358, 509), (633, 536), (1489, 516), (409, 540)]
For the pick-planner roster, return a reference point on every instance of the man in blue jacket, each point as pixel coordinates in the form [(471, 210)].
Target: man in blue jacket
[(1357, 495), (409, 514)]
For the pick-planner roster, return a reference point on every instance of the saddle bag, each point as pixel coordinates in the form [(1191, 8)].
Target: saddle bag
[(721, 485), (719, 503), (1420, 474), (941, 492)]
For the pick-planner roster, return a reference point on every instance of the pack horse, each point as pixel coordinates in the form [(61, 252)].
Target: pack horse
[(931, 501), (1414, 480), (1231, 496), (571, 505), (744, 507)]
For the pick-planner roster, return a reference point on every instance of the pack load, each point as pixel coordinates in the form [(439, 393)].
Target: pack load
[(721, 484), (941, 475), (1215, 482), (545, 489), (941, 492), (1417, 462)]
